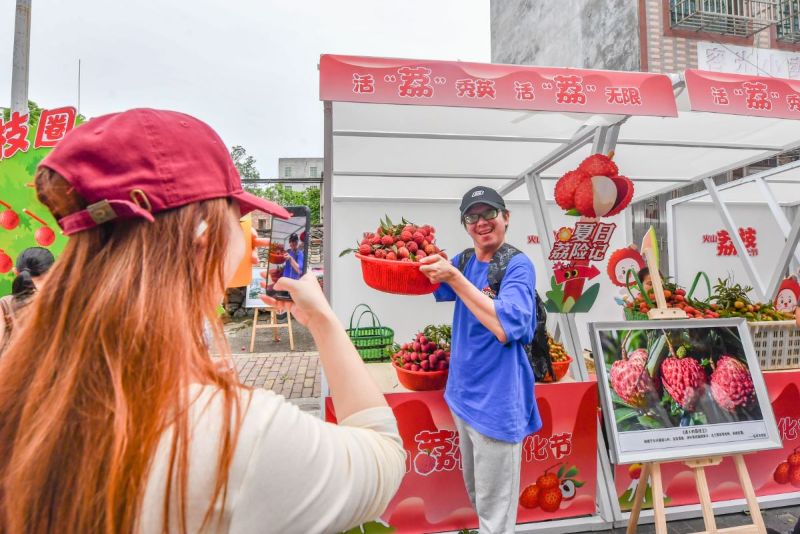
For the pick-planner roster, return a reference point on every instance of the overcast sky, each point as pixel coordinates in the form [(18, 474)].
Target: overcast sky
[(249, 68)]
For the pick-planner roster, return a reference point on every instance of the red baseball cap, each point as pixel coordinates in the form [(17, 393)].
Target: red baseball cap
[(143, 161)]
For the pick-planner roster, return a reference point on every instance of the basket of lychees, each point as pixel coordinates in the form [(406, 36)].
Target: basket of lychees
[(390, 257), (422, 364)]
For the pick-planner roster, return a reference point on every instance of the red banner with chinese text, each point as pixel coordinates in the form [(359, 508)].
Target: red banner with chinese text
[(723, 483), (738, 94), (444, 83), (432, 496)]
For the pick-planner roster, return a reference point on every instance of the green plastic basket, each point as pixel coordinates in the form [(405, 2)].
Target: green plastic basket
[(370, 341)]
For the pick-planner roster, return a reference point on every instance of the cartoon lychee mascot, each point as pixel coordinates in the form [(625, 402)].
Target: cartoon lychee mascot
[(788, 295), (594, 189), (624, 260)]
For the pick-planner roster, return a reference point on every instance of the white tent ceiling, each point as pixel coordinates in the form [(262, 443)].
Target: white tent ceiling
[(466, 146)]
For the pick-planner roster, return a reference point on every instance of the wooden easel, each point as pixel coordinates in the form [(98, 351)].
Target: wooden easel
[(273, 325), (698, 465)]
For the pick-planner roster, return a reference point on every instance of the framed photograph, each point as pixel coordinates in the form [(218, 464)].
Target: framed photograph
[(672, 390), (254, 290)]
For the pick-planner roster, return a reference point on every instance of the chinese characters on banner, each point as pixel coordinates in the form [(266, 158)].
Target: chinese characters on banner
[(724, 243), (53, 125), (432, 496), (588, 241), (396, 81), (743, 95)]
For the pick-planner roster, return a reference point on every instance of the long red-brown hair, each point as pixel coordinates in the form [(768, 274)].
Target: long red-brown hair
[(101, 367)]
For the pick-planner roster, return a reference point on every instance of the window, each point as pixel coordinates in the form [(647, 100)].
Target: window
[(287, 172), (313, 172), (736, 18), (788, 27)]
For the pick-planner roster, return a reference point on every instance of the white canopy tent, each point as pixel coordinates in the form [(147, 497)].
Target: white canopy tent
[(416, 161)]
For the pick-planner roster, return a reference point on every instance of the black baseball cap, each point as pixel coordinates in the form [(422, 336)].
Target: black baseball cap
[(293, 237), (481, 195)]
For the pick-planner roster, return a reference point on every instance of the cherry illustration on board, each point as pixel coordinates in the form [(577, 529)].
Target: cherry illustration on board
[(44, 235), (5, 262)]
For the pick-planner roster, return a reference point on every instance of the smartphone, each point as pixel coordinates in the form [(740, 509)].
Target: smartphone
[(288, 249)]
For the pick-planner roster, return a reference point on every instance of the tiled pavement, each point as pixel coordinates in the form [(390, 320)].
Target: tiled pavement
[(291, 374)]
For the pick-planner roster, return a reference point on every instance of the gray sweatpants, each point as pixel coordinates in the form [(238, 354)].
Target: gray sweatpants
[(491, 474)]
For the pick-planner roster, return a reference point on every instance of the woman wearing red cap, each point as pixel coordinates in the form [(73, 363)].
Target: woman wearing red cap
[(113, 417)]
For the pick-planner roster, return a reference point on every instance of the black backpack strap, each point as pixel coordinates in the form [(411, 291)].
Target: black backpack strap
[(499, 264), (465, 256)]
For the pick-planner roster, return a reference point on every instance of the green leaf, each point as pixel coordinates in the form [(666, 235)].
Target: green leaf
[(623, 414), (347, 251), (656, 355), (586, 300), (561, 472), (573, 471), (568, 304), (573, 212), (649, 422), (578, 483), (551, 306)]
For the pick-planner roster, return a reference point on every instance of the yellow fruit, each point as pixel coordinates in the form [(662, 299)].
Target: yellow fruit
[(738, 304)]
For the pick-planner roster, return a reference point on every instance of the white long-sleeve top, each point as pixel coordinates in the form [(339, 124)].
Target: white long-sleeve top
[(291, 472)]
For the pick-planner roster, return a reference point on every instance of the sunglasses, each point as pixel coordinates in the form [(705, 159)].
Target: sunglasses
[(486, 215)]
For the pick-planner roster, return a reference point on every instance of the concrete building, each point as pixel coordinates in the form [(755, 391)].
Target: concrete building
[(759, 37), (755, 37), (300, 173)]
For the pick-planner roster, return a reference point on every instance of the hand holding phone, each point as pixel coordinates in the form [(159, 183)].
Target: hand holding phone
[(288, 250)]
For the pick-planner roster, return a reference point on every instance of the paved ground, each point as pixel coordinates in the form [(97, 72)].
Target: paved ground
[(295, 375)]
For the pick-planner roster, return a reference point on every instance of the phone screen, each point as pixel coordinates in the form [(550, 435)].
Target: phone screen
[(288, 250)]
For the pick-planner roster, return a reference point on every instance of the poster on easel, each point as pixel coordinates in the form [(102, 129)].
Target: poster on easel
[(24, 222), (254, 289), (673, 390)]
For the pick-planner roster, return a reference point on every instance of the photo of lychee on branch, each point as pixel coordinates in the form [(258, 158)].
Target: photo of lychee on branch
[(594, 189), (666, 378), (390, 257)]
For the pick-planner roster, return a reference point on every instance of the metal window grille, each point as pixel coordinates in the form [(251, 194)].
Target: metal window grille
[(740, 18), (788, 25)]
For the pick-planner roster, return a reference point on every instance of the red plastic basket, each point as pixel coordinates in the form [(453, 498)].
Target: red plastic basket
[(275, 259), (560, 370), (421, 380), (398, 277)]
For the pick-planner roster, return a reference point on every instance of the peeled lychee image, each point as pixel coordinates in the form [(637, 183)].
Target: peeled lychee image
[(731, 384)]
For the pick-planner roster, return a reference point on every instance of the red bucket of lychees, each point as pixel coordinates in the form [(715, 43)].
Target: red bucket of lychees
[(422, 365), (390, 257)]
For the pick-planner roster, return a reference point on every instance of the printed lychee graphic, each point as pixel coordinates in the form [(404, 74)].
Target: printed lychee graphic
[(424, 463), (6, 262), (8, 218), (781, 474), (631, 381), (530, 495), (550, 499), (599, 165), (566, 187), (622, 261), (683, 378), (731, 384)]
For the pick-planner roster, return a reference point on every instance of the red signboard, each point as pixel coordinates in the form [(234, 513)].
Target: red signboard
[(739, 94), (432, 496), (678, 479), (446, 83)]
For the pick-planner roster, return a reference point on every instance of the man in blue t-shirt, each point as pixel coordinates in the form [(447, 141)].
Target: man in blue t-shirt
[(294, 259), (490, 385)]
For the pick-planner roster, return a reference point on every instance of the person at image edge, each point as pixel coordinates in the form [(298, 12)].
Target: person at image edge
[(490, 384), (114, 419)]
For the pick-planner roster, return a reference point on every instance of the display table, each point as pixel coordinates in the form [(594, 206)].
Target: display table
[(432, 497)]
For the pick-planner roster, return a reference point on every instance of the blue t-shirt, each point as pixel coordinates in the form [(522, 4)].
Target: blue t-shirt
[(490, 385), (288, 271)]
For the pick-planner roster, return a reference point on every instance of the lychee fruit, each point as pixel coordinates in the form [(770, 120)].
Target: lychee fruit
[(547, 481), (731, 384), (684, 379), (412, 247), (402, 253), (529, 498), (599, 165), (424, 463), (365, 250), (387, 241), (418, 237), (631, 381), (391, 256), (380, 254), (596, 196), (550, 499), (406, 235), (781, 474), (566, 186)]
